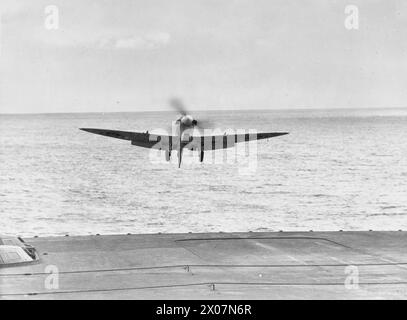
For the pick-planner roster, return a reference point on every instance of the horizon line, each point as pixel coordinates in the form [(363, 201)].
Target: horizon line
[(207, 110)]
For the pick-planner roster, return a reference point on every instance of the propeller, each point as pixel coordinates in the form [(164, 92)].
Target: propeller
[(178, 105), (204, 123)]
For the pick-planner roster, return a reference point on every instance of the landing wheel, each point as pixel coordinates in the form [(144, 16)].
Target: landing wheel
[(167, 155), (201, 156)]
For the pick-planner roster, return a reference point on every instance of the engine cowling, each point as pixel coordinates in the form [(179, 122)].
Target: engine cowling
[(188, 121)]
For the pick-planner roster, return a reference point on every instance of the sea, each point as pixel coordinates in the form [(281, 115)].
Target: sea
[(337, 169)]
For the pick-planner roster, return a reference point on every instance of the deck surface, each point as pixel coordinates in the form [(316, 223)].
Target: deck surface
[(283, 265)]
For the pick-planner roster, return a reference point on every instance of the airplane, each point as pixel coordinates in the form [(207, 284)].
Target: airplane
[(183, 136)]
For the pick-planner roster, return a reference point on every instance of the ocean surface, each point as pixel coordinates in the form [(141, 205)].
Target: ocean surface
[(336, 170)]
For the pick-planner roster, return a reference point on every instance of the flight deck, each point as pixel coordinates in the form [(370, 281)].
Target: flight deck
[(272, 265)]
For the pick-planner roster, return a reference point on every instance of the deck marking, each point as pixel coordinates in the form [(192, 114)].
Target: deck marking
[(265, 284), (270, 248), (340, 260)]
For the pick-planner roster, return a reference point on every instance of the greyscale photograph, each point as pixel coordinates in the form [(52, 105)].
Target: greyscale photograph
[(203, 150)]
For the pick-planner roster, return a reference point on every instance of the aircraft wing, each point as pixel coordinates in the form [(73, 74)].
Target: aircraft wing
[(140, 139), (166, 142), (125, 135), (224, 141)]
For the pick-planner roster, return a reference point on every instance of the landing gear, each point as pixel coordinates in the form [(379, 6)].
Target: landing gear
[(201, 156), (167, 155), (179, 157)]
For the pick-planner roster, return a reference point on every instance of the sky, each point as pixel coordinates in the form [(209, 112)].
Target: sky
[(134, 55)]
